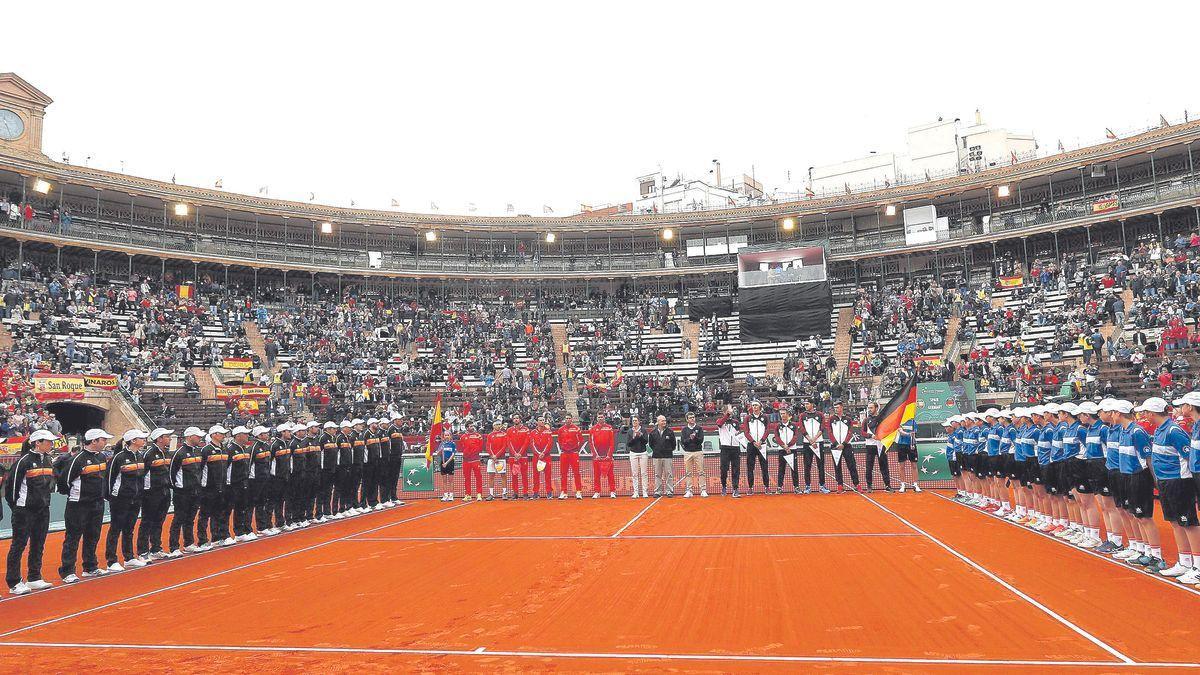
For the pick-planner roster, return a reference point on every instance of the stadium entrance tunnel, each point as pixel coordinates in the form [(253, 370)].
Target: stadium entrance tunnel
[(77, 418)]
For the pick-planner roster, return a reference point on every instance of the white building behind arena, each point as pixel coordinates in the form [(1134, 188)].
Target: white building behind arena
[(659, 193), (934, 150)]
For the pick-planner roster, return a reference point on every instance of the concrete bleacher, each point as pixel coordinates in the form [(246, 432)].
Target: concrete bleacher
[(746, 358), (90, 333)]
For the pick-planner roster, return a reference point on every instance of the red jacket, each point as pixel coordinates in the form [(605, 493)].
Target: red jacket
[(604, 440), (518, 442), (470, 445), (570, 438), (497, 444), (542, 443)]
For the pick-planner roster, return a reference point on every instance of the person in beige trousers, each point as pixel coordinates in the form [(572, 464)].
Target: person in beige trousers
[(691, 439)]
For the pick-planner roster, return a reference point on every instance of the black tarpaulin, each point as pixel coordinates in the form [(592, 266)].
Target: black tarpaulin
[(785, 312)]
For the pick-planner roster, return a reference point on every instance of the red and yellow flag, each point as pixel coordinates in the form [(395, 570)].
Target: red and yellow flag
[(435, 430), (902, 408), (1012, 281), (184, 291)]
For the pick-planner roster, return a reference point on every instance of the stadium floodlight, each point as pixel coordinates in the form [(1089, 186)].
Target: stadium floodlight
[(668, 234), (549, 237), (1002, 191), (789, 224), (889, 210), (326, 228), (431, 236), (181, 210), (41, 186)]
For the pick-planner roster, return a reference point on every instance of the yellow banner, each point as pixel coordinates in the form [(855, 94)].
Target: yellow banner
[(1105, 205), (237, 364), (58, 387), (242, 391), (106, 382)]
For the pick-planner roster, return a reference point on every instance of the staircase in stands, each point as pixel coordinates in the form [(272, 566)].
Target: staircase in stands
[(258, 345), (204, 380), (6, 339), (570, 394), (691, 335), (843, 342)]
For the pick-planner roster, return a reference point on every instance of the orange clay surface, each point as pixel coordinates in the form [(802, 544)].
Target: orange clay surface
[(763, 584)]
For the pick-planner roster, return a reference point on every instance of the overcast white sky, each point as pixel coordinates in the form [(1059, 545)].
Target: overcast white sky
[(564, 102)]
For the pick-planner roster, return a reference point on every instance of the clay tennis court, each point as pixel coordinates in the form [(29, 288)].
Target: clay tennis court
[(886, 583)]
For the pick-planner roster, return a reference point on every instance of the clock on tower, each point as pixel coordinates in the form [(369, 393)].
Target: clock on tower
[(22, 109)]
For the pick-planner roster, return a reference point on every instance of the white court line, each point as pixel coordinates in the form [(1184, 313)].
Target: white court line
[(629, 656), (636, 537), (640, 513), (1101, 556), (635, 518), (159, 564), (1049, 612), (217, 574)]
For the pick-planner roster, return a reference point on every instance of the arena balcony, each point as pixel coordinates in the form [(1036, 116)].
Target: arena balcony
[(1139, 179)]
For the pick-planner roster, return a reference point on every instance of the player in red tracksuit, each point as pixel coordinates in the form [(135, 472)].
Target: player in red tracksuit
[(541, 442), (570, 440), (497, 449), (470, 444), (604, 442), (518, 453)]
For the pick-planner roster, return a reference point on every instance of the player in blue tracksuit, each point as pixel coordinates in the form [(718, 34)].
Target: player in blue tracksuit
[(969, 452), (1005, 463), (1190, 557), (1139, 490), (953, 436), (1087, 472), (1112, 496), (1170, 460), (1045, 453), (1024, 453), (1072, 439), (990, 456)]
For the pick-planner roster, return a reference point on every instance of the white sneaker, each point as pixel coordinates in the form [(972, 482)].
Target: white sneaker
[(70, 579), (562, 495), (1002, 512), (902, 487), (242, 537), (158, 555), (1190, 577), (229, 541), (115, 567), (98, 573), (635, 495), (19, 589), (1175, 570), (687, 494), (192, 549), (1127, 554), (578, 495), (39, 585), (207, 546), (135, 563), (251, 537), (704, 493), (612, 495), (175, 554), (596, 496), (916, 488)]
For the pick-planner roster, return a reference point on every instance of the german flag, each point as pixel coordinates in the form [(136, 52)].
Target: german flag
[(902, 408)]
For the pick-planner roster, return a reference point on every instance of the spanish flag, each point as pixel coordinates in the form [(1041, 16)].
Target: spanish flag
[(435, 431), (184, 291), (1013, 281), (902, 408)]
